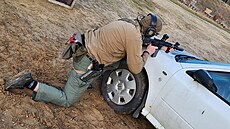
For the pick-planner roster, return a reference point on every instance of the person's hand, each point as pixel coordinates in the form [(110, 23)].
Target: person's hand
[(151, 49), (165, 49)]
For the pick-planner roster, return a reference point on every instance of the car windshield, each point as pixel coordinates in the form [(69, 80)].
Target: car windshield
[(222, 82), (194, 60)]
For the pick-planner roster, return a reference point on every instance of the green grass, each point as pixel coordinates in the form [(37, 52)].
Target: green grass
[(200, 16)]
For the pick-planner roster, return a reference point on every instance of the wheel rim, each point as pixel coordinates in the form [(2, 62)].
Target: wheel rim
[(121, 86)]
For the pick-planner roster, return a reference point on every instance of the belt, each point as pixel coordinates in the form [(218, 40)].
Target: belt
[(91, 58)]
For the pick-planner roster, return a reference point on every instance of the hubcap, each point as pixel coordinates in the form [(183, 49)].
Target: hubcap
[(121, 86)]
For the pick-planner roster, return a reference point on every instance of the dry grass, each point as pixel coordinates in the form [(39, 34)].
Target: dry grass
[(200, 15)]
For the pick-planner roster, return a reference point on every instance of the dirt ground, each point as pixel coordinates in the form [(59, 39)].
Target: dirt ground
[(33, 34)]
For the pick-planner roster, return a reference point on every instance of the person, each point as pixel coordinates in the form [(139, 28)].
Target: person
[(105, 45)]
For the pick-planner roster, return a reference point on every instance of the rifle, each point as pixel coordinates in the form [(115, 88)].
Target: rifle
[(160, 43)]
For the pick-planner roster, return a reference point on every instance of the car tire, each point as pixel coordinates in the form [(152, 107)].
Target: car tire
[(123, 90)]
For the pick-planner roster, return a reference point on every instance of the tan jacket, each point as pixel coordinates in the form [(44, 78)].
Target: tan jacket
[(114, 41)]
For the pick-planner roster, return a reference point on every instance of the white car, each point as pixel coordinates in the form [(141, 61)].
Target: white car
[(174, 91)]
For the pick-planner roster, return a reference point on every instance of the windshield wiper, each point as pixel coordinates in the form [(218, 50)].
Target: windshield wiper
[(180, 58)]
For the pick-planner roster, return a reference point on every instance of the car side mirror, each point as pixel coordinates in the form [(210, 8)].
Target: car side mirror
[(204, 78)]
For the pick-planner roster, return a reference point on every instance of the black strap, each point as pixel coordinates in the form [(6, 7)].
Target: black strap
[(83, 39)]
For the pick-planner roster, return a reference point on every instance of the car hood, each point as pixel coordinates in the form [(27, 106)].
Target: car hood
[(188, 60)]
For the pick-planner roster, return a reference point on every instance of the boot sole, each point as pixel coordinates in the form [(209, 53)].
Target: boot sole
[(10, 84)]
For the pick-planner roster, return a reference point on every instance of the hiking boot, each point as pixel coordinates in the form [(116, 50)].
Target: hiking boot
[(18, 81)]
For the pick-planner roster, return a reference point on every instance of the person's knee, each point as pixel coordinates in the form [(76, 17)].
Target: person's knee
[(68, 105), (71, 102)]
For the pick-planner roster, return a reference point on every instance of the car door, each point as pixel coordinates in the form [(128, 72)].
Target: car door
[(184, 104)]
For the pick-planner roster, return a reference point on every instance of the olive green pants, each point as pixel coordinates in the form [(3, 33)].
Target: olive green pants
[(73, 90)]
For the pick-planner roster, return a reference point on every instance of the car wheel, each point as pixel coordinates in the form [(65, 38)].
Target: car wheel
[(123, 90)]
